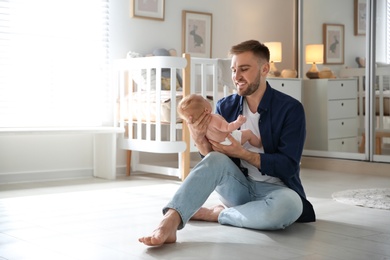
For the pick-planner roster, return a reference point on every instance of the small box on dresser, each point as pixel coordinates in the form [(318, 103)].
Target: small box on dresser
[(331, 114)]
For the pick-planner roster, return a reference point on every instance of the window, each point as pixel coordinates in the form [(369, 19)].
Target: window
[(53, 63)]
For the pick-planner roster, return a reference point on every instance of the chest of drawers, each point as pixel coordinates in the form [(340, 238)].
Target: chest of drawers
[(292, 86), (331, 114)]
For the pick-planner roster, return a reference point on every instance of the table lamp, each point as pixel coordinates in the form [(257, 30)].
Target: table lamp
[(314, 56), (275, 50)]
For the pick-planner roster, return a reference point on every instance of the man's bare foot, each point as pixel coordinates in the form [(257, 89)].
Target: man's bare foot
[(208, 214), (166, 231)]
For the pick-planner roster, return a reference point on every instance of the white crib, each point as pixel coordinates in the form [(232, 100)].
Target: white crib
[(148, 112)]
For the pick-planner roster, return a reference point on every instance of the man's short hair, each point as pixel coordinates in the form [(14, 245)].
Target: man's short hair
[(257, 48)]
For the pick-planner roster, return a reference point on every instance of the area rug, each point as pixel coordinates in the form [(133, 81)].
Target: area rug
[(378, 198)]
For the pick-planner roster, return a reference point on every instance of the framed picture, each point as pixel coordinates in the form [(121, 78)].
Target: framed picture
[(360, 17), (197, 33), (148, 9), (333, 37)]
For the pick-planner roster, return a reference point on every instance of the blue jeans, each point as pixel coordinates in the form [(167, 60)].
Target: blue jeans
[(249, 203)]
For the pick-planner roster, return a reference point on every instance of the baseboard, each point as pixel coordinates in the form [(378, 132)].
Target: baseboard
[(308, 162), (346, 166), (20, 177)]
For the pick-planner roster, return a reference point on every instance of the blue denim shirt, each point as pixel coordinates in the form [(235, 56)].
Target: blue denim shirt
[(283, 130)]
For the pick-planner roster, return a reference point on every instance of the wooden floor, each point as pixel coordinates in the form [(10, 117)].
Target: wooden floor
[(100, 219)]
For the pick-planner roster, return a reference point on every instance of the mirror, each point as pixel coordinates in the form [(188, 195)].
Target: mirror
[(334, 102)]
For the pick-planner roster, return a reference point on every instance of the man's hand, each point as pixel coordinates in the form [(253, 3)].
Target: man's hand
[(198, 131), (198, 128), (236, 150)]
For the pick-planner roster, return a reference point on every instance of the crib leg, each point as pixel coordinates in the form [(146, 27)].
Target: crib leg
[(378, 144), (362, 144), (128, 162)]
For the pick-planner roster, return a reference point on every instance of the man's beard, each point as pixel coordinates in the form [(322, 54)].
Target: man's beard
[(252, 87)]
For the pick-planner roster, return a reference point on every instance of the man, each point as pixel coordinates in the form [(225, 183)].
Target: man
[(260, 187)]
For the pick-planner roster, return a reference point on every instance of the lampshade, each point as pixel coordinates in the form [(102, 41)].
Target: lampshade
[(275, 50), (314, 53), (314, 56)]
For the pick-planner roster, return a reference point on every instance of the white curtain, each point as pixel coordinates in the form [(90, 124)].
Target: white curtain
[(53, 63)]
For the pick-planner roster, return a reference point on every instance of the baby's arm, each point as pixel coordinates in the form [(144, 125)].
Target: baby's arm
[(222, 125)]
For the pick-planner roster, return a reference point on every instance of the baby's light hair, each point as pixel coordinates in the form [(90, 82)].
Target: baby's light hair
[(191, 105)]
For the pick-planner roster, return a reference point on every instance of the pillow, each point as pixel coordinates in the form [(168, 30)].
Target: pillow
[(132, 54), (140, 78), (166, 84)]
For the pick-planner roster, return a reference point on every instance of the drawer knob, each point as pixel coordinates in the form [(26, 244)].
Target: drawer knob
[(342, 84), (342, 104), (342, 123), (282, 84), (342, 142)]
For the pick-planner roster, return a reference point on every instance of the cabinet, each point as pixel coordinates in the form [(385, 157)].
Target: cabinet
[(331, 114), (291, 86)]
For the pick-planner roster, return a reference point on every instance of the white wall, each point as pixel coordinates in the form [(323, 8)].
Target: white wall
[(34, 157), (59, 156), (233, 22)]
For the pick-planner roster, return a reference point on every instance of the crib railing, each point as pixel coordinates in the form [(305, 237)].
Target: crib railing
[(139, 81), (147, 130)]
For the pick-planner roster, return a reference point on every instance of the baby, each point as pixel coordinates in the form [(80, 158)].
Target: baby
[(218, 129)]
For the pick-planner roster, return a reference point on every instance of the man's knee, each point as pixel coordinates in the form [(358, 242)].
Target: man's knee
[(285, 209), (218, 157), (290, 208)]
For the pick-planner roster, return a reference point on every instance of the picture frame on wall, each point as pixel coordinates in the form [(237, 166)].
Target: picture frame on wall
[(148, 9), (197, 33), (333, 38), (360, 8)]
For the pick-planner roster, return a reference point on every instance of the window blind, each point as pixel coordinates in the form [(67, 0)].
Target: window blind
[(53, 63)]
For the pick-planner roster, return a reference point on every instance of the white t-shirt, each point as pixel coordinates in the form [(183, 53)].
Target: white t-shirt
[(252, 121)]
